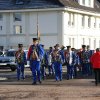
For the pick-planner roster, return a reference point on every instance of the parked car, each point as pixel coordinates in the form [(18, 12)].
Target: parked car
[(1, 53), (6, 62), (8, 59)]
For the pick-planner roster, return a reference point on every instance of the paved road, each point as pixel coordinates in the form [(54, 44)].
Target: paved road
[(75, 89)]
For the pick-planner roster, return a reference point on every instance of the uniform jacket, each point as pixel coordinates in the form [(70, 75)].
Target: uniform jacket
[(56, 57), (49, 57), (95, 60), (85, 57), (40, 52), (62, 55), (20, 57), (70, 57)]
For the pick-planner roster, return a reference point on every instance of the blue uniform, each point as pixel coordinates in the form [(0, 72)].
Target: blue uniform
[(20, 60), (44, 65), (57, 62), (70, 60), (49, 63), (35, 55), (62, 55), (76, 64), (85, 61), (90, 52)]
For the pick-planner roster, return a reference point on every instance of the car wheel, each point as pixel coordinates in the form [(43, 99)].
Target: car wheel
[(13, 68)]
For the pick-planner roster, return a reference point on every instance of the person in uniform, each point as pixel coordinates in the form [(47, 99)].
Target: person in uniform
[(85, 61), (44, 64), (90, 52), (57, 62), (76, 62), (62, 54), (20, 58), (69, 59), (49, 61), (35, 55)]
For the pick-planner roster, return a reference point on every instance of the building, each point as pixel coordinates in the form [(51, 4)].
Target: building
[(67, 22)]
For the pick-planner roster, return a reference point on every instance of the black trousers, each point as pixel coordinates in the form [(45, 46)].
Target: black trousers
[(97, 75)]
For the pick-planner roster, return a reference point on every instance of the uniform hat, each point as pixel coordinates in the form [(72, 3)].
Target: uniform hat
[(42, 45), (57, 45), (88, 46), (20, 45), (97, 49), (62, 47), (68, 47), (73, 48), (35, 39), (83, 46)]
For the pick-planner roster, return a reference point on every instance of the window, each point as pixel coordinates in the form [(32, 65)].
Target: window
[(94, 43), (83, 2), (83, 21), (95, 23), (89, 2), (17, 17), (89, 22), (1, 17), (0, 28), (73, 40), (99, 25), (71, 20), (70, 41), (99, 43), (90, 42), (83, 41), (17, 29)]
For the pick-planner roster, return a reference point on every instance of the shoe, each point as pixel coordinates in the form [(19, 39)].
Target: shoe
[(18, 79), (34, 83), (40, 82), (23, 78)]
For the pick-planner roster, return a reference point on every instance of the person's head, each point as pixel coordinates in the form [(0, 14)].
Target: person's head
[(56, 46), (98, 49), (62, 47), (69, 48), (50, 48), (35, 41), (42, 45), (73, 49), (88, 47), (83, 47), (20, 46)]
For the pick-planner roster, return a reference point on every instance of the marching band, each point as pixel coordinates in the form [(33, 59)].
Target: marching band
[(54, 59)]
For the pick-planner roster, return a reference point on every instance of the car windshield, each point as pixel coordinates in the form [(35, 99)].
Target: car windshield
[(10, 53), (1, 53)]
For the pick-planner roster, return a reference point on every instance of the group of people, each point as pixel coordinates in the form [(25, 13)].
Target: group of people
[(53, 60)]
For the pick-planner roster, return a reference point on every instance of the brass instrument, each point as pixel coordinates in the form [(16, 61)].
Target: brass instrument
[(34, 55)]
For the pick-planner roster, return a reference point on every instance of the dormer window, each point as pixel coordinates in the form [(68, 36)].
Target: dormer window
[(87, 3), (19, 2), (1, 17)]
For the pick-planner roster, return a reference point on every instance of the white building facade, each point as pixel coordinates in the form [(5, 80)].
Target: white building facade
[(63, 25)]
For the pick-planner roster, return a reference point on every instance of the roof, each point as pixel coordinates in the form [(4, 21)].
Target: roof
[(44, 4), (76, 5), (28, 4)]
